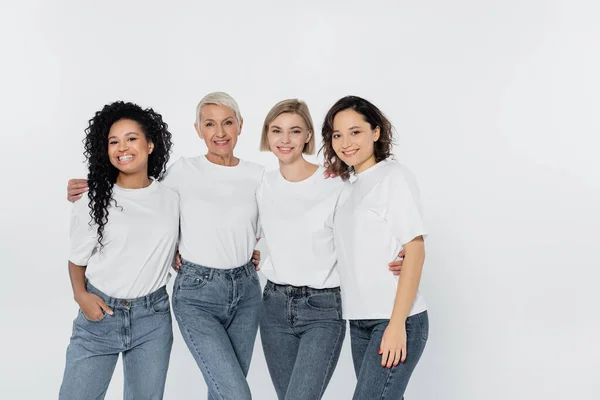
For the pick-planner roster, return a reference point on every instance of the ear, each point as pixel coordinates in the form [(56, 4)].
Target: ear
[(376, 133), (150, 147), (308, 137), (197, 128), (241, 125)]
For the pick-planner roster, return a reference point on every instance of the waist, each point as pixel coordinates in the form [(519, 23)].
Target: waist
[(291, 290), (114, 302), (188, 267)]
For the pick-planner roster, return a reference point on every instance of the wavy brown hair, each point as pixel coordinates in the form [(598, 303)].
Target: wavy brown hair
[(373, 116)]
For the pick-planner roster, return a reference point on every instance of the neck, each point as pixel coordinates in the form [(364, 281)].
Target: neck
[(227, 160), (365, 165), (297, 170), (133, 181)]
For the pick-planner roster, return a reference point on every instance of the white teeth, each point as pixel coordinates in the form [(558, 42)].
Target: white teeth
[(285, 148), (125, 158), (349, 153), (221, 141)]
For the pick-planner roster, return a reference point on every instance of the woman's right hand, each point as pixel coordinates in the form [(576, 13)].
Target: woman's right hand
[(76, 188), (92, 306)]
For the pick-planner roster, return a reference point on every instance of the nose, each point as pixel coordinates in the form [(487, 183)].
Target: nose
[(285, 138), (220, 132), (123, 145), (346, 142)]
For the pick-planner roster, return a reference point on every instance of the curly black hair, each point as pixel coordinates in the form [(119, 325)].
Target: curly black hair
[(102, 174), (373, 116)]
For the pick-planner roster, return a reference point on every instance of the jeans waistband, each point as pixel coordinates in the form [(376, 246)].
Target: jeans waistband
[(113, 302), (188, 267), (299, 290)]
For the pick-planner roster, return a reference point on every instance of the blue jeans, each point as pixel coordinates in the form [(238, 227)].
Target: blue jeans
[(140, 329), (218, 311), (374, 380), (302, 332)]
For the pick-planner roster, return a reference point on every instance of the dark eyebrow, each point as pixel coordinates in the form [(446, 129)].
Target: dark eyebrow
[(296, 127), (127, 134), (354, 127)]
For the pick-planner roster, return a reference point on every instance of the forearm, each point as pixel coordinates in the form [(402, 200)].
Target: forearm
[(410, 276), (77, 275)]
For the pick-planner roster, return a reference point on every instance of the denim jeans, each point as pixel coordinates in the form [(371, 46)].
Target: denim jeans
[(374, 380), (218, 311), (302, 332), (140, 329)]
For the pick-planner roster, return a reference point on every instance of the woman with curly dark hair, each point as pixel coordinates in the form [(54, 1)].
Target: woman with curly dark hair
[(379, 216), (123, 239)]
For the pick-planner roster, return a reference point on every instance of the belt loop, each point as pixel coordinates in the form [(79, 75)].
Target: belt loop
[(211, 272), (148, 301)]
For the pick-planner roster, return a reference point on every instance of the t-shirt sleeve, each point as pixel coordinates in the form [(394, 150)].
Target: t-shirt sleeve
[(171, 178), (403, 213), (83, 235)]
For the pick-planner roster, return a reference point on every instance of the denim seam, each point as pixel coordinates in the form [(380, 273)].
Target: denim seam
[(387, 382), (191, 338), (323, 385)]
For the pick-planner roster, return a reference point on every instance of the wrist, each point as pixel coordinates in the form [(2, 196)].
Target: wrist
[(78, 295)]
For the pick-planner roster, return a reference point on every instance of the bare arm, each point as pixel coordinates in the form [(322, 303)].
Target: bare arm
[(393, 344), (92, 306), (409, 280)]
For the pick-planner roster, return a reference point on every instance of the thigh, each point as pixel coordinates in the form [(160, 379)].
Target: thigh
[(280, 344), (378, 382), (242, 327), (145, 365), (359, 342), (317, 357), (201, 322), (91, 358)]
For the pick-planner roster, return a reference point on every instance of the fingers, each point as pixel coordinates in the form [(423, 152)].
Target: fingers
[(401, 254), (104, 307), (73, 199), (397, 357), (178, 260), (403, 351)]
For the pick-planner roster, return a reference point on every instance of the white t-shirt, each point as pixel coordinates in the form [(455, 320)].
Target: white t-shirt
[(380, 212), (297, 222), (219, 214), (140, 239)]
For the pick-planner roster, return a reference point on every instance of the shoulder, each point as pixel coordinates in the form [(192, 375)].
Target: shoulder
[(252, 167), (397, 173), (167, 192)]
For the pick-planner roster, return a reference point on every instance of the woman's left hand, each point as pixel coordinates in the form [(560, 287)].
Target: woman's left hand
[(393, 344)]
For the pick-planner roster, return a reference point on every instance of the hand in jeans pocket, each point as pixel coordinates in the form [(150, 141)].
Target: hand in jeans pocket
[(92, 306)]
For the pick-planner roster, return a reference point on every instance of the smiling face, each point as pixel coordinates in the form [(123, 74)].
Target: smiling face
[(219, 128), (128, 148), (287, 136), (353, 140)]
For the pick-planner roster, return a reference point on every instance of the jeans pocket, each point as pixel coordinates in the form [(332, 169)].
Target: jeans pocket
[(92, 320), (191, 282), (161, 306), (322, 302)]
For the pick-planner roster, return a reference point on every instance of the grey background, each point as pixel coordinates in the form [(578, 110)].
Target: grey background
[(496, 108)]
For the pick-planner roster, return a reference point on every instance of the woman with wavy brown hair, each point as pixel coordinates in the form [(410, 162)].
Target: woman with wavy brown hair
[(379, 216)]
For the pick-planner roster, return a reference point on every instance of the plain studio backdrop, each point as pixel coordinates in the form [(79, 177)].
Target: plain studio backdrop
[(495, 104)]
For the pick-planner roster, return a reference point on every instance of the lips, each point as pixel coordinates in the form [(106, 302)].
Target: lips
[(223, 142), (349, 153), (285, 150), (125, 159)]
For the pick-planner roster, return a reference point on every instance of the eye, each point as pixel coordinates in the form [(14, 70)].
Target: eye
[(131, 139), (336, 136), (355, 132), (276, 131), (209, 124), (229, 122), (112, 142), (296, 132)]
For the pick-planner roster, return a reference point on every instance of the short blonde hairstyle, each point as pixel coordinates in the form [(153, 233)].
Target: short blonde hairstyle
[(218, 99), (292, 106)]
